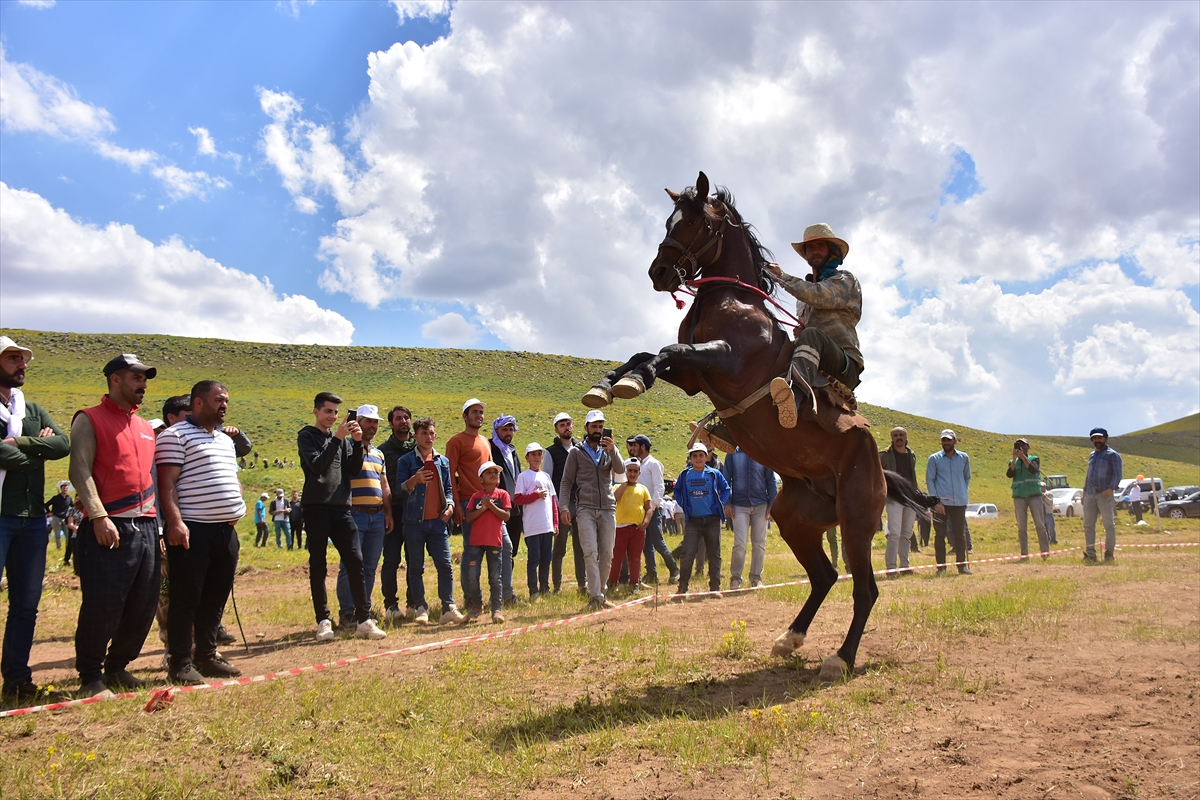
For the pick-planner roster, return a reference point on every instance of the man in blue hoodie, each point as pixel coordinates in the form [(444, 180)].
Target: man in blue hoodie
[(702, 492)]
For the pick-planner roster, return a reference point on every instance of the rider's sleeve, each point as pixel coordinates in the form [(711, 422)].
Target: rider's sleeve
[(840, 291)]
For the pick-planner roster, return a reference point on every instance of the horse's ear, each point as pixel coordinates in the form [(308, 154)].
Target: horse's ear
[(702, 186), (673, 195)]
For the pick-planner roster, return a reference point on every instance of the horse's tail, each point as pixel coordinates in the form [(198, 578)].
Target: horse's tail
[(905, 492)]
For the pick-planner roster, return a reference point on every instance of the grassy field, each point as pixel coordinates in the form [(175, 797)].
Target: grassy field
[(1178, 440)]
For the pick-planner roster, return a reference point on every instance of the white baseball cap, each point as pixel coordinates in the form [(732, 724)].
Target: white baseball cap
[(698, 447), (561, 416), (265, 495), (533, 447), (474, 401), (633, 462), (369, 411), (948, 434), (485, 466), (595, 415), (157, 423), (8, 344)]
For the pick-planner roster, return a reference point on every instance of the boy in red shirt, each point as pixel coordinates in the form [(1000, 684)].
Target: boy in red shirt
[(486, 511)]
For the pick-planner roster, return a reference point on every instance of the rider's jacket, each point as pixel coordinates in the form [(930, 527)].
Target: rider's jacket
[(833, 306)]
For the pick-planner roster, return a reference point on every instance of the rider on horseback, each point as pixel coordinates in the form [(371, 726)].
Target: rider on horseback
[(829, 303)]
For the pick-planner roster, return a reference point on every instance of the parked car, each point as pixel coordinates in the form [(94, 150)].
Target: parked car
[(1057, 482), (1122, 493), (1180, 492), (983, 511), (1067, 502), (1178, 509)]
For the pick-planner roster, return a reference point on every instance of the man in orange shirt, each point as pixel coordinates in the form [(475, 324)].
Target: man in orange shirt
[(467, 451)]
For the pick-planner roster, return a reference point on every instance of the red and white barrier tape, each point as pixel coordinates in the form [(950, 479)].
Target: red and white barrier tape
[(161, 697)]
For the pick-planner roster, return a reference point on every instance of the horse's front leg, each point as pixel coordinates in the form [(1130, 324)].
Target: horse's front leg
[(679, 364), (601, 394)]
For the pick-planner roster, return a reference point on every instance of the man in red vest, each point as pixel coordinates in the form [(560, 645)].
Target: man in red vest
[(112, 457)]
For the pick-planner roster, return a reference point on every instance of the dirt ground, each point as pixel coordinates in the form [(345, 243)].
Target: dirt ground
[(1101, 707)]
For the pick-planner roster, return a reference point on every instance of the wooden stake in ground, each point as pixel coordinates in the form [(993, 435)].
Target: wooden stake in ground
[(1154, 495)]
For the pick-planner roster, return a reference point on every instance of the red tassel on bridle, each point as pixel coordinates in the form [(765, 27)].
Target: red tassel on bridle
[(678, 303)]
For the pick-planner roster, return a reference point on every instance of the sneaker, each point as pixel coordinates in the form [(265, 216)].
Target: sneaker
[(188, 675), (472, 615), (95, 689), (410, 613), (31, 691), (393, 615), (452, 615), (123, 679), (965, 570), (601, 603), (941, 570), (346, 622), (716, 595), (224, 636), (674, 577), (325, 631), (422, 616), (1110, 557), (217, 667), (497, 618), (512, 601), (369, 630), (756, 584)]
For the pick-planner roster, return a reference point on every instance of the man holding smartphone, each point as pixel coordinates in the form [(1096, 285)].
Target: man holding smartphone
[(588, 474), (329, 462)]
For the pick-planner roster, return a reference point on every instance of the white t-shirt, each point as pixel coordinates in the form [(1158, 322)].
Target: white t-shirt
[(537, 517), (652, 479), (208, 488), (668, 507)]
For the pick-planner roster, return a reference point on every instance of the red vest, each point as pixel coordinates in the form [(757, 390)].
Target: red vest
[(124, 458)]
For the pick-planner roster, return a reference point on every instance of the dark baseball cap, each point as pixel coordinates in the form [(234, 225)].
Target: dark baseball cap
[(641, 438), (1098, 431), (128, 361)]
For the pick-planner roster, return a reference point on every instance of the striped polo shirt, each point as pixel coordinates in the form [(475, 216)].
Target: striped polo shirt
[(366, 488), (208, 487)]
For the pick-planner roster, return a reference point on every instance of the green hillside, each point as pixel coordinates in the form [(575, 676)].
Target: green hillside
[(271, 388), (1178, 440)]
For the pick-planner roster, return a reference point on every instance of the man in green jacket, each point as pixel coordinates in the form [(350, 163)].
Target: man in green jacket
[(30, 438), (1026, 473)]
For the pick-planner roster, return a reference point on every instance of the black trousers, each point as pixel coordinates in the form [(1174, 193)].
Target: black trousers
[(334, 524), (260, 539), (393, 553), (560, 552), (201, 578), (120, 595), (956, 516), (695, 531)]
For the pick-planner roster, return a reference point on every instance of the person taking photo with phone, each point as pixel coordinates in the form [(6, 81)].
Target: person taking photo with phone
[(588, 476)]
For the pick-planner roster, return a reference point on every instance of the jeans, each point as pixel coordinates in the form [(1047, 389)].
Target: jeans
[(1051, 532), (627, 544), (748, 522), (956, 516), (707, 530), (393, 552), (900, 520), (656, 543), (1097, 505), (473, 558), (23, 556), (58, 527), (506, 561), (283, 527), (1037, 509), (433, 536), (120, 595), (566, 532), (201, 579), (371, 531), (597, 534), (334, 524), (539, 549)]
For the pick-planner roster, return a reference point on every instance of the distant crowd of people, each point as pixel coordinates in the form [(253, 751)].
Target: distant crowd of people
[(152, 526)]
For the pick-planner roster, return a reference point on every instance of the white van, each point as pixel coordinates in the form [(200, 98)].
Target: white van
[(1122, 493)]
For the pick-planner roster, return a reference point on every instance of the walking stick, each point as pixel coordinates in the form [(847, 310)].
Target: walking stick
[(238, 617)]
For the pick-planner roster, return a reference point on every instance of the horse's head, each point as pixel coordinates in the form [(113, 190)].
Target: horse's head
[(693, 241)]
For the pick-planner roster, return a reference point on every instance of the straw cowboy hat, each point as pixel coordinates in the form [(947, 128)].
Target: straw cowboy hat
[(818, 233)]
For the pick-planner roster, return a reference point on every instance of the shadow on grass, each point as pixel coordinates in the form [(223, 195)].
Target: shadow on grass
[(697, 697)]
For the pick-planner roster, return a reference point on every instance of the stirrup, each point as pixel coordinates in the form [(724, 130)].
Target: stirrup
[(713, 435)]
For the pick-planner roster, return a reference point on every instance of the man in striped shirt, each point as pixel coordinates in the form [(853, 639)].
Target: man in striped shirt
[(371, 507), (201, 500)]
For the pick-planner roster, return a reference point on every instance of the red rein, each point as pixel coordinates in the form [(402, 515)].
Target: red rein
[(701, 282)]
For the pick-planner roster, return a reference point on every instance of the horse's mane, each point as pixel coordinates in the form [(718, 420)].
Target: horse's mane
[(761, 255)]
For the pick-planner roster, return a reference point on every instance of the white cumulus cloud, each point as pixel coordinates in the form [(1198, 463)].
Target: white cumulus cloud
[(450, 330), (57, 273)]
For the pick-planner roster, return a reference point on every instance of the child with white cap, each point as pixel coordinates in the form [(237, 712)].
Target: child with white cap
[(487, 510), (535, 491)]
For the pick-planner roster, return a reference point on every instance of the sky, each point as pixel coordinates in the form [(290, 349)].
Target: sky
[(1021, 192)]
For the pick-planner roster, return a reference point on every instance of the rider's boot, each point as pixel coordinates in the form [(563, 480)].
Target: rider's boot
[(791, 392)]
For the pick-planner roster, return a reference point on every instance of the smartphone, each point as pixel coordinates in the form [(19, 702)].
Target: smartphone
[(352, 415), (606, 433), (430, 467)]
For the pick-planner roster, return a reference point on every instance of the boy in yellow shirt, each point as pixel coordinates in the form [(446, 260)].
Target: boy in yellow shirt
[(634, 512)]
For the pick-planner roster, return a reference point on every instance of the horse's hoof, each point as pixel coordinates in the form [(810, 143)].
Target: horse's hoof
[(629, 387), (788, 643), (597, 397), (833, 669)]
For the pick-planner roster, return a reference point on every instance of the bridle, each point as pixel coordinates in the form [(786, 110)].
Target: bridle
[(694, 268)]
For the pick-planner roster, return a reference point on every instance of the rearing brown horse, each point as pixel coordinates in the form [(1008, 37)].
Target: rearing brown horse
[(730, 346)]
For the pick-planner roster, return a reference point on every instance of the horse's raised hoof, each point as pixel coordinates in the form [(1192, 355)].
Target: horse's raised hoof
[(597, 397), (712, 440), (833, 668), (787, 644), (629, 387), (785, 402)]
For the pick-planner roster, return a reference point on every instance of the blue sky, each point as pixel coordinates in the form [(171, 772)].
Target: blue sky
[(1022, 195)]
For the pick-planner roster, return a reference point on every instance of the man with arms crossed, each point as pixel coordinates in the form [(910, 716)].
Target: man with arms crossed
[(1103, 478), (201, 500), (900, 518), (30, 439), (329, 462), (467, 451)]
